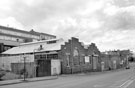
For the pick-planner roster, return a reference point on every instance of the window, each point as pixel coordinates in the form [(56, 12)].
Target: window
[(87, 59), (55, 56), (90, 59), (18, 34), (17, 40), (68, 64), (13, 39), (83, 59), (50, 42), (98, 60), (42, 37), (7, 38), (1, 37)]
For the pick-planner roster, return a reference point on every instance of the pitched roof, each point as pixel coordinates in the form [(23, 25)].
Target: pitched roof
[(34, 47)]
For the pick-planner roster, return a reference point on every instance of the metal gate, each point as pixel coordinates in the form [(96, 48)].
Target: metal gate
[(43, 68)]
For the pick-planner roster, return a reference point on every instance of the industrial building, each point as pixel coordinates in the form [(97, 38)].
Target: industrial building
[(49, 57), (57, 56)]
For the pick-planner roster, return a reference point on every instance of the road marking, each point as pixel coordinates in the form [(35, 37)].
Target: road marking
[(126, 84), (115, 85)]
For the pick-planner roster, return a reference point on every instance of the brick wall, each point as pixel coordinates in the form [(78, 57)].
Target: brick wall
[(106, 60), (109, 61), (72, 55), (94, 53)]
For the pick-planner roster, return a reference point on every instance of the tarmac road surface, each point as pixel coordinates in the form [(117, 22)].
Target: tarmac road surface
[(114, 79)]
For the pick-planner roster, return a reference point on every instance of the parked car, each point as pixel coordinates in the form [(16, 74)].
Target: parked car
[(127, 67)]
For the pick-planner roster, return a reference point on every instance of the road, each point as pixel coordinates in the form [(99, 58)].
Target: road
[(115, 79)]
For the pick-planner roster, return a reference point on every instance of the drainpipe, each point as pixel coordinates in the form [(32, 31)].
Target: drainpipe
[(72, 56), (24, 68)]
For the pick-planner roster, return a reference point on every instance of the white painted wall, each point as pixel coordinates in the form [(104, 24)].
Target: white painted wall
[(55, 67)]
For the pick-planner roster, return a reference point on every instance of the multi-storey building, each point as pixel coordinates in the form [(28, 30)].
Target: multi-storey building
[(10, 37)]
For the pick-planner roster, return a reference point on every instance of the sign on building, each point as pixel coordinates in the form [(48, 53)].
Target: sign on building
[(87, 59)]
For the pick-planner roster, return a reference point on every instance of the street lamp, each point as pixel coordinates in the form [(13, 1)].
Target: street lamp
[(35, 64), (24, 67)]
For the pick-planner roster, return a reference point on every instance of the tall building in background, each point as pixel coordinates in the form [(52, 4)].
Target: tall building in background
[(10, 37)]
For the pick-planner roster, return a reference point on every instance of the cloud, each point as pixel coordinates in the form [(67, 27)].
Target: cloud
[(113, 40), (120, 18), (123, 3), (33, 11), (108, 23), (11, 22)]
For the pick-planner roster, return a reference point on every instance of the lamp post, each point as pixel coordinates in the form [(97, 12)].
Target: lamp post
[(23, 71), (35, 64)]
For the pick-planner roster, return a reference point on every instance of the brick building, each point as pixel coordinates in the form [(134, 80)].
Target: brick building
[(78, 58), (115, 59), (74, 56), (10, 37)]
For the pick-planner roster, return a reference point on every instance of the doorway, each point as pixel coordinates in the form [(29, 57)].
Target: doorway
[(94, 63), (43, 68)]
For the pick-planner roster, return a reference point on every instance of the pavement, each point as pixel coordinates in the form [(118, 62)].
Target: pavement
[(17, 81), (108, 79), (27, 80)]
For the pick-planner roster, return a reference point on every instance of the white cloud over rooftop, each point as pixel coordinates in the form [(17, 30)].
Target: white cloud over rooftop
[(108, 23)]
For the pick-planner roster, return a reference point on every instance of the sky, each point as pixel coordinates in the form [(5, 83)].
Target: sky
[(108, 23)]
